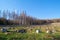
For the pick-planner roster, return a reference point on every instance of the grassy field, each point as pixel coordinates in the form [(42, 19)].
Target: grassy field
[(31, 33)]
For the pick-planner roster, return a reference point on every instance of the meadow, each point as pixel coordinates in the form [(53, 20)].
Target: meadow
[(30, 33)]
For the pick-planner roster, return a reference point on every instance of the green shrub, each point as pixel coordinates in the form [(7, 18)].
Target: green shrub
[(3, 38), (56, 37)]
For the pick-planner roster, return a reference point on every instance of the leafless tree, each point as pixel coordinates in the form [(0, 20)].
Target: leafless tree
[(22, 18), (0, 13), (4, 14)]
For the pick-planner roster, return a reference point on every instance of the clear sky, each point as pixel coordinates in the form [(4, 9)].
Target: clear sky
[(43, 9)]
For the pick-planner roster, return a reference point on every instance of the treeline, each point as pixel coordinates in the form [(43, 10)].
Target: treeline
[(14, 18)]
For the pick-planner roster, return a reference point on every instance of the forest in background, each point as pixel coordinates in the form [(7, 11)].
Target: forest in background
[(14, 18)]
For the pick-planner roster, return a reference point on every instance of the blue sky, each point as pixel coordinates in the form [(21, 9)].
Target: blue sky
[(42, 9)]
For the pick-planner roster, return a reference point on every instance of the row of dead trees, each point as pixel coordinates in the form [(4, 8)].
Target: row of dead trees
[(13, 17)]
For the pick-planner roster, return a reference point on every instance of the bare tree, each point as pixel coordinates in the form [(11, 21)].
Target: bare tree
[(0, 13), (22, 18), (4, 14)]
